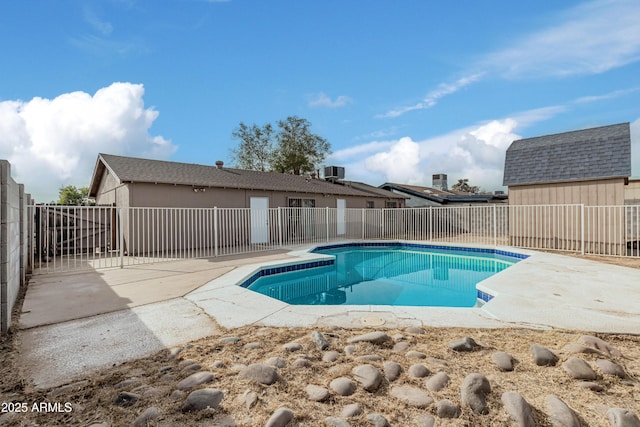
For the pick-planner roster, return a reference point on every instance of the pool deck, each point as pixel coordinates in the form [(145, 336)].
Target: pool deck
[(68, 319)]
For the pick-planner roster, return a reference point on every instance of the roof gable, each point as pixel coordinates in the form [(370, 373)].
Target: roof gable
[(597, 153), (132, 170)]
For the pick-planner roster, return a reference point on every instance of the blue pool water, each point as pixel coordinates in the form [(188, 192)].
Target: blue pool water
[(385, 274)]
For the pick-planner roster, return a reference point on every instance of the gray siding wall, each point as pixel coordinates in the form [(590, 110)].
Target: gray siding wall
[(13, 243)]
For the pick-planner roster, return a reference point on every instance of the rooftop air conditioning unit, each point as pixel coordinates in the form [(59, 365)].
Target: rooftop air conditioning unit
[(333, 172)]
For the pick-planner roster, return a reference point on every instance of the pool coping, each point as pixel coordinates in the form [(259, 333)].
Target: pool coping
[(569, 293)]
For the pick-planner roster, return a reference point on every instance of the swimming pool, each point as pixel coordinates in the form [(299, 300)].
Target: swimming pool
[(386, 273)]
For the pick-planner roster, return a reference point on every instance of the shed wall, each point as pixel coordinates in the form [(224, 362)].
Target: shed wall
[(608, 192)]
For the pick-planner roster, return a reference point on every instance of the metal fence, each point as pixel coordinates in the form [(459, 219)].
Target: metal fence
[(72, 238)]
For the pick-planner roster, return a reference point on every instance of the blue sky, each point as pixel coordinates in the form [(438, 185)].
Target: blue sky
[(401, 92)]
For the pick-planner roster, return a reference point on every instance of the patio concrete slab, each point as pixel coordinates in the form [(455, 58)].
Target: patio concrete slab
[(60, 353)]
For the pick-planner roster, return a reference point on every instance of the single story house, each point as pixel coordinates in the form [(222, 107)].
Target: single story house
[(143, 185), (135, 182), (439, 195)]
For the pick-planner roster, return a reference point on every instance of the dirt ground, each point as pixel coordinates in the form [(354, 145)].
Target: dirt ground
[(90, 400)]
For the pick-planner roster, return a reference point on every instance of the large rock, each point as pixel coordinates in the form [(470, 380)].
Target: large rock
[(147, 416), (280, 418), (437, 382), (611, 368), (330, 356), (317, 393), (194, 380), (620, 417), (518, 408), (262, 374), (418, 371), (560, 414), (336, 422), (372, 337), (412, 396), (343, 386), (125, 399), (579, 369), (292, 346), (202, 399), (473, 393), (368, 376), (392, 370), (378, 420), (599, 344), (447, 409), (542, 356), (352, 410), (464, 344), (504, 361), (319, 340)]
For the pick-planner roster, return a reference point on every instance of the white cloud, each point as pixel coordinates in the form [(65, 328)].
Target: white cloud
[(474, 152), (103, 27), (399, 164), (591, 38), (322, 100), (55, 142)]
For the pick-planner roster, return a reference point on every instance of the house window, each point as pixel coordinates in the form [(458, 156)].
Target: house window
[(370, 204), (391, 204), (302, 203)]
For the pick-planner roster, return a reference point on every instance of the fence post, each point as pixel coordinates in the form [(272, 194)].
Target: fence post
[(582, 229), (327, 220), (363, 224), (495, 227), (121, 233), (280, 226), (382, 224), (430, 223), (215, 231)]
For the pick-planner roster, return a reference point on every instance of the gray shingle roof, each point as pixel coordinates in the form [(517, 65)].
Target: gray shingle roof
[(131, 169), (597, 153)]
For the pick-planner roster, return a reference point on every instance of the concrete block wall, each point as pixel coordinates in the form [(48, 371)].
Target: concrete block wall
[(13, 242)]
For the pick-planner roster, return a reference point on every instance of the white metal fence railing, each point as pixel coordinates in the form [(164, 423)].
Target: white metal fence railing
[(72, 238)]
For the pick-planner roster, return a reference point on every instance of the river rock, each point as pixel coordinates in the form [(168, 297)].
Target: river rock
[(319, 340), (416, 330), (620, 417), (447, 409), (437, 382), (194, 380), (542, 356), (317, 393), (263, 374), (412, 396), (378, 420), (504, 361), (401, 346), (418, 371), (343, 386), (392, 371), (473, 392), (276, 362), (292, 346), (560, 414), (125, 399), (368, 376), (463, 344), (518, 408), (611, 368), (425, 420), (202, 399), (579, 369), (352, 410), (330, 356), (599, 344), (372, 337), (280, 418), (415, 355)]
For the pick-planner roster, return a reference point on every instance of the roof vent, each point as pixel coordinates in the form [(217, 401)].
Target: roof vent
[(333, 172), (219, 164)]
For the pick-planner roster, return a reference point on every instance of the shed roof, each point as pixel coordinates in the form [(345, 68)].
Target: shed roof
[(132, 170), (596, 153)]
